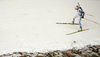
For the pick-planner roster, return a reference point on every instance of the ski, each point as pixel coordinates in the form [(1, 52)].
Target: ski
[(77, 31), (68, 23)]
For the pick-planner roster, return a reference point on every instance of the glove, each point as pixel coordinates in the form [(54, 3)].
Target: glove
[(82, 16)]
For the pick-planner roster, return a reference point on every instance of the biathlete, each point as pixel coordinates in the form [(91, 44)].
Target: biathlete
[(80, 14)]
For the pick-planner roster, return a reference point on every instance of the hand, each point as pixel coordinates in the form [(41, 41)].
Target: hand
[(82, 16)]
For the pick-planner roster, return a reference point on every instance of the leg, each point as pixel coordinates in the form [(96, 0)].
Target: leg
[(74, 19), (80, 23)]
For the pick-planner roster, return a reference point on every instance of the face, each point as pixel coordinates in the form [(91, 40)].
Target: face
[(76, 9)]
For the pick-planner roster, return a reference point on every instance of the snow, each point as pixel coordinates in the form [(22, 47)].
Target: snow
[(30, 25)]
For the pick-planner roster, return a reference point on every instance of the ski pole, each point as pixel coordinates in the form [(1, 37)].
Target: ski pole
[(86, 14), (92, 21), (80, 6), (90, 15)]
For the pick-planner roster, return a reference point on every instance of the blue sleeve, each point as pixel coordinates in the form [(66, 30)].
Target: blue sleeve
[(83, 12)]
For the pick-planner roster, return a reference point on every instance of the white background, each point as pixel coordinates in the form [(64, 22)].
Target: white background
[(30, 25)]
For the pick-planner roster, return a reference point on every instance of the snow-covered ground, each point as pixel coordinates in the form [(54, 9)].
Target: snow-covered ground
[(30, 25)]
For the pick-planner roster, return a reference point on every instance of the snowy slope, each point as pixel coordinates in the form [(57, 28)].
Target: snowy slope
[(30, 25)]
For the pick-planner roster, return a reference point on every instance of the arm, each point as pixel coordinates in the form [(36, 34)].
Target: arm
[(83, 14)]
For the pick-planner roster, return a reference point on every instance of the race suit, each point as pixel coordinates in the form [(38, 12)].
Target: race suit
[(80, 15)]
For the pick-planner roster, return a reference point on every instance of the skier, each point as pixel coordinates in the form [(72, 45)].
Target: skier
[(80, 15)]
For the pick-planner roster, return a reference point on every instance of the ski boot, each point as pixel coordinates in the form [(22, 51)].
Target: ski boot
[(81, 28), (72, 22)]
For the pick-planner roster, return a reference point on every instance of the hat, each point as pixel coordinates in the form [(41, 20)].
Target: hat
[(77, 5)]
